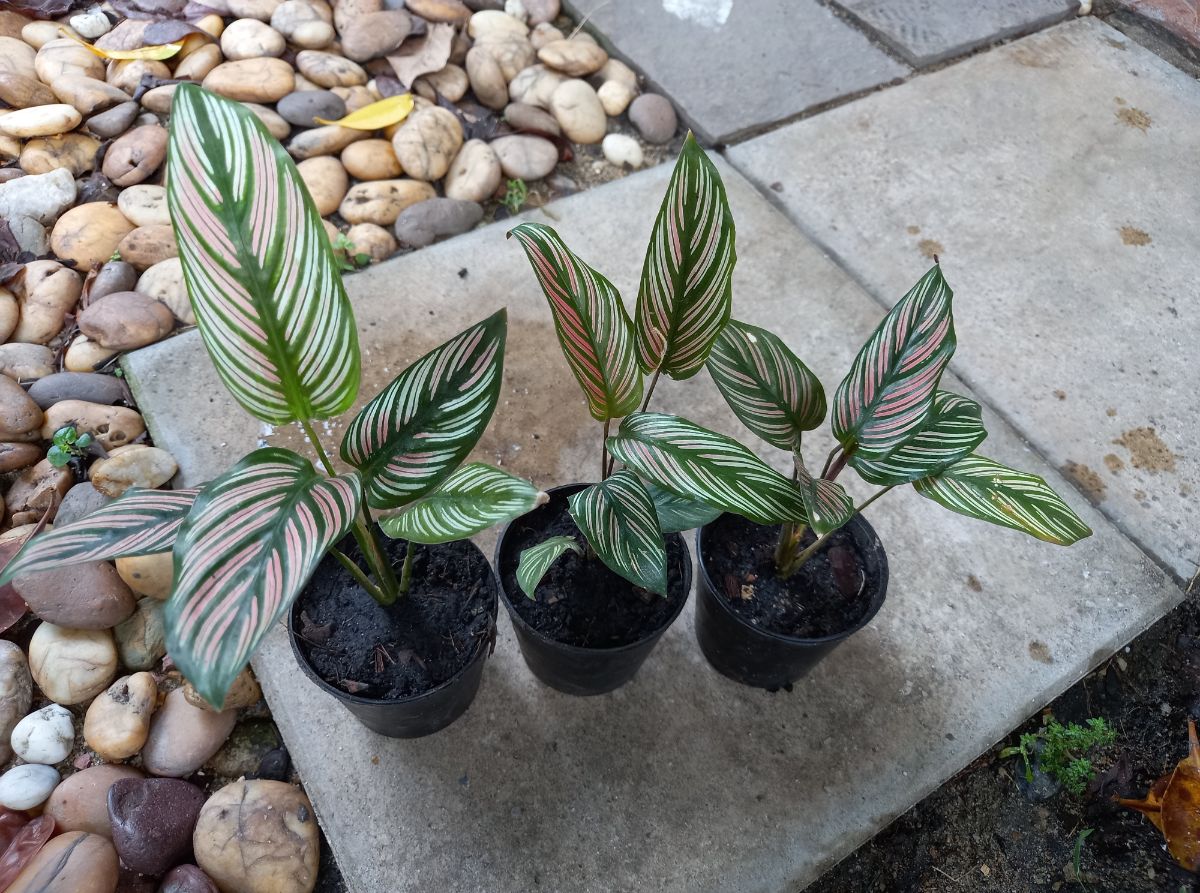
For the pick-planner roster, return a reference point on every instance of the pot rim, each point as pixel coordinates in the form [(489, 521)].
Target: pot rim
[(877, 598), (345, 696), (519, 621)]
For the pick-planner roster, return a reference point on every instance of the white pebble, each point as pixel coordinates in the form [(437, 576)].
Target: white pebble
[(27, 786), (45, 736), (621, 149), (516, 9), (91, 23)]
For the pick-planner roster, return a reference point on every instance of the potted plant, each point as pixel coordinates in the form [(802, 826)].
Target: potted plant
[(594, 577), (791, 568), (273, 314)]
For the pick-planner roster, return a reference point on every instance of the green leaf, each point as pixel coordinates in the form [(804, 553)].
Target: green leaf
[(773, 394), (419, 428), (593, 328), (246, 549), (678, 513), (141, 522), (618, 519), (983, 489), (952, 431), (887, 396), (702, 465), (536, 560), (827, 505), (685, 294), (472, 499), (259, 268)]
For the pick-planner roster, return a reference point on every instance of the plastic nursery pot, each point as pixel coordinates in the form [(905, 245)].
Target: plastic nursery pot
[(569, 668), (761, 657), (428, 711)]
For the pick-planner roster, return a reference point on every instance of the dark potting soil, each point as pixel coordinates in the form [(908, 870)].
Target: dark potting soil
[(580, 601), (825, 596), (406, 648)]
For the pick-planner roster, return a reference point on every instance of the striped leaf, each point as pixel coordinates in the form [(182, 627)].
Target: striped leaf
[(889, 392), (258, 265), (419, 428), (686, 291), (773, 394), (246, 549), (536, 560), (954, 428), (678, 513), (593, 328), (617, 516), (142, 522), (828, 506), (471, 500), (702, 465), (983, 489)]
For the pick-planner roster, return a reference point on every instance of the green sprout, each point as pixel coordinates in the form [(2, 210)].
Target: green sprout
[(515, 197), (1064, 751), (68, 444), (1077, 855), (348, 257)]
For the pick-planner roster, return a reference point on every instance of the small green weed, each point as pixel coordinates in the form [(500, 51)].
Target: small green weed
[(1064, 751), (349, 258), (514, 198), (66, 445)]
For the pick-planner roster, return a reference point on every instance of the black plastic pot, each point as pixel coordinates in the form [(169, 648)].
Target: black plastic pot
[(570, 668), (771, 660), (419, 715)]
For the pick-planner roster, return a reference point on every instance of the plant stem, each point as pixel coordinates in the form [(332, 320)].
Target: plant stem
[(838, 464), (386, 588), (798, 562), (406, 570), (650, 390), (605, 466), (790, 533), (363, 580), (829, 459)]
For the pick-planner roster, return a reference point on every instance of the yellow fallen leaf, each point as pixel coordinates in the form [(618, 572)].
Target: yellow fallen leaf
[(148, 54), (377, 115)]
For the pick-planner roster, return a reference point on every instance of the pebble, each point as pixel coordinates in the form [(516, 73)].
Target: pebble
[(126, 320), (197, 66), (71, 666), (20, 415), (142, 639), (423, 223), (427, 143), (253, 9), (654, 117), (615, 97), (113, 122), (148, 245), (16, 693), (43, 196), (578, 111), (327, 140), (14, 457), (148, 575), (26, 362), (47, 391), (152, 822), (243, 692), (259, 837), (38, 489), (135, 156), (82, 499), (84, 355), (187, 879), (276, 126), (330, 70), (373, 240), (63, 57), (541, 11), (475, 174), (451, 11), (164, 282), (512, 53), (118, 721), (535, 86), (44, 736), (17, 54), (381, 201), (91, 23), (183, 738), (27, 786), (42, 120), (251, 39), (521, 116), (374, 34), (302, 23), (88, 96), (486, 77), (135, 465), (80, 802), (143, 205), (88, 234), (451, 82), (574, 58), (616, 70), (371, 160), (525, 157), (10, 312), (622, 150), (304, 107), (75, 152), (543, 34), (252, 80), (128, 74), (89, 596), (75, 862), (47, 294), (326, 180), (491, 23)]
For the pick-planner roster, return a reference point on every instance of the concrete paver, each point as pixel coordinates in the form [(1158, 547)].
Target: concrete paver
[(734, 68), (683, 780), (1055, 177), (1180, 17)]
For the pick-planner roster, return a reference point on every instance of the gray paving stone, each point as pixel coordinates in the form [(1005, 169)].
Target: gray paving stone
[(925, 32), (1056, 178), (735, 68), (681, 781)]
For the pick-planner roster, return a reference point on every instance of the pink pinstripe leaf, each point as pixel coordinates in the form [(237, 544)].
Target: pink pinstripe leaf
[(142, 522), (246, 549), (686, 292), (827, 504), (593, 327), (888, 394), (259, 268), (618, 518), (421, 427), (952, 430)]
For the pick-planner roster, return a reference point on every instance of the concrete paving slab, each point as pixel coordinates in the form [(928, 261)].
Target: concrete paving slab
[(1056, 179), (734, 68), (681, 781), (1180, 17), (926, 32)]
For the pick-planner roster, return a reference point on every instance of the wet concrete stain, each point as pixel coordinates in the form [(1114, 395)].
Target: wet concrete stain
[(973, 583), (1133, 117), (914, 230), (1147, 449), (1114, 462), (1040, 652), (1060, 394), (1089, 481), (930, 248), (1131, 235), (1111, 412)]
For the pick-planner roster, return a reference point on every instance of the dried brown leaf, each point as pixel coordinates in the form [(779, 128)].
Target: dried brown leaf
[(422, 55)]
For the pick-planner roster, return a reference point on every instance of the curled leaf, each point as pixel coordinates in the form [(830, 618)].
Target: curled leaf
[(148, 54), (1173, 805), (377, 115)]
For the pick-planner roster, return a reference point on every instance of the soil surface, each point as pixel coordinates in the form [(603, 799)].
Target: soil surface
[(580, 601), (987, 831), (406, 648), (826, 595)]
